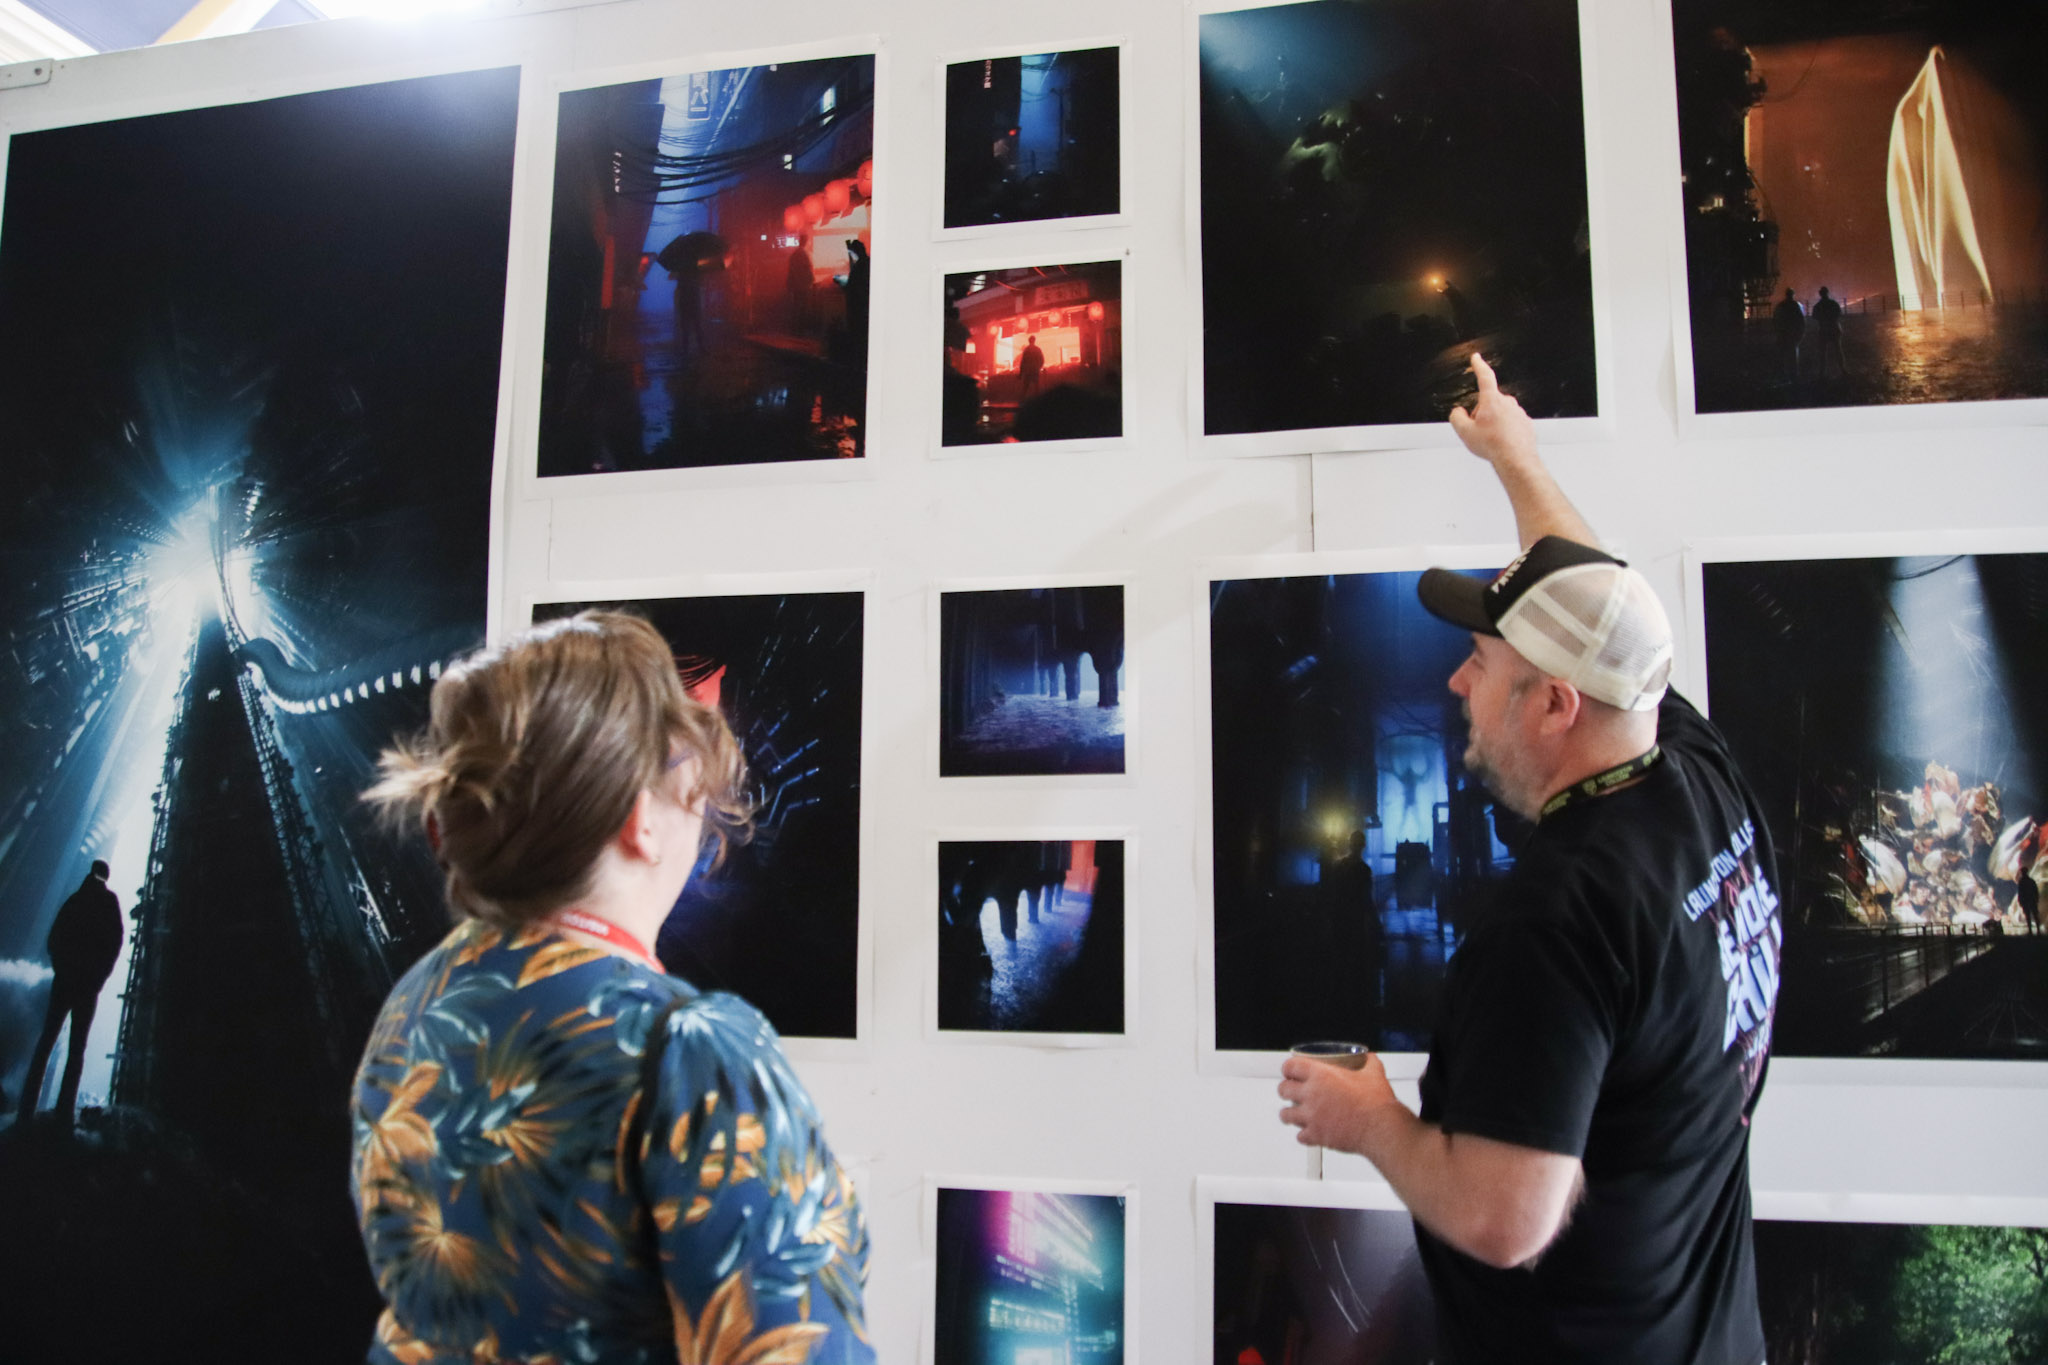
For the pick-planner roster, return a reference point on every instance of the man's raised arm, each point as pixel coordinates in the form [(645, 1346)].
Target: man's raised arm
[(1500, 433)]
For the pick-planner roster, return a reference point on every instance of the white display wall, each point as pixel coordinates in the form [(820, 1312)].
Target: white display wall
[(1148, 515)]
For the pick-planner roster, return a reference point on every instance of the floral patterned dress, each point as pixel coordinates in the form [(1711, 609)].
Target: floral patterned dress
[(518, 1205)]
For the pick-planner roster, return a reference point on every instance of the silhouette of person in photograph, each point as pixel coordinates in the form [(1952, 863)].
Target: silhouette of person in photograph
[(854, 284), (83, 943), (797, 285), (1029, 366), (1788, 321), (1827, 325)]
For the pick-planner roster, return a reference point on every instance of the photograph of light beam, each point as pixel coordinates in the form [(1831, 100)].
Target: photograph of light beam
[(708, 270), (778, 923), (1034, 354), (1031, 682), (1031, 936), (1034, 137), (1352, 852), (1889, 715), (1028, 1275), (245, 520), (1901, 1291), (1385, 188), (1319, 1286), (1864, 187)]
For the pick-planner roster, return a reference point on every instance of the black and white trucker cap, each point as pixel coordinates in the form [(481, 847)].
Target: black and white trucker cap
[(1573, 611)]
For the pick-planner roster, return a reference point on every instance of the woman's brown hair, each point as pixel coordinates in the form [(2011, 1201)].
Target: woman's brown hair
[(535, 753)]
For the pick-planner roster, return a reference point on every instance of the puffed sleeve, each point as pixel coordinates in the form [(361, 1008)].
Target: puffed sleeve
[(761, 1238)]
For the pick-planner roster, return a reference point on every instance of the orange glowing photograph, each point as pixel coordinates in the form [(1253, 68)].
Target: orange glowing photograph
[(1034, 354), (1864, 201)]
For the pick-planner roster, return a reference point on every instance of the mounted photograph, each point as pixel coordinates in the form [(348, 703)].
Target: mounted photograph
[(1888, 714), (1033, 137), (709, 267), (1384, 188), (1032, 682), (1864, 188), (1031, 937), (1034, 354)]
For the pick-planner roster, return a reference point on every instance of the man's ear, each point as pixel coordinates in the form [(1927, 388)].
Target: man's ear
[(1561, 706)]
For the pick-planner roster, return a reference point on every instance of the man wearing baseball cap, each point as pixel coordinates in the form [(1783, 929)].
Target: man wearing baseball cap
[(1579, 1171)]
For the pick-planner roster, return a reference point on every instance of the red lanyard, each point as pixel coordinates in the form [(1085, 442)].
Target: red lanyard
[(610, 933)]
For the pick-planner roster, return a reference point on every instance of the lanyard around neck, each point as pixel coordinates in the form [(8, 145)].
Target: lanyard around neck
[(1600, 784), (611, 933)]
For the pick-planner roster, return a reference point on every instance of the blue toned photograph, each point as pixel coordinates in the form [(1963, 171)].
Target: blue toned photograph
[(1385, 188), (1352, 851), (708, 270), (1031, 935), (1888, 713), (1315, 1286), (1029, 1279), (778, 922), (1031, 682), (244, 520), (1031, 138)]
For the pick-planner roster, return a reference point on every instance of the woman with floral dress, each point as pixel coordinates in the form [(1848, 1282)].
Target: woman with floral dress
[(562, 1153)]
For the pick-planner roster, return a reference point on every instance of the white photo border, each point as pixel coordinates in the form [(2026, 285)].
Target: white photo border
[(1130, 696), (862, 581), (1393, 435), (539, 139), (1083, 223), (1698, 553), (928, 1238), (1211, 1060), (928, 938)]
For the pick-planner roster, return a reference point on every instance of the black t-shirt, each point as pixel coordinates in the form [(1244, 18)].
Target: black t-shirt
[(1617, 1008)]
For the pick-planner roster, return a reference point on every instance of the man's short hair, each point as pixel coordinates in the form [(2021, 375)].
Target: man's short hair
[(101, 870)]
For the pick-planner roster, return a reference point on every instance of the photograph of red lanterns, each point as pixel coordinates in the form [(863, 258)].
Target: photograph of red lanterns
[(1034, 353)]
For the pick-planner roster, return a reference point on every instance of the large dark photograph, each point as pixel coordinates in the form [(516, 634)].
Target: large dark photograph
[(1032, 138), (1031, 935), (1889, 714), (1352, 851), (1386, 187), (1025, 1276), (709, 270), (250, 381), (1031, 682), (1317, 1286), (1902, 1291), (1034, 354), (778, 923), (1864, 186)]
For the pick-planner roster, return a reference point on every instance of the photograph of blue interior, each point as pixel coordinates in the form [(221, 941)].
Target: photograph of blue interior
[(1888, 713), (1031, 682), (1032, 138), (1902, 1291), (1026, 1278), (1056, 967), (1386, 187), (709, 270), (1864, 186), (245, 522), (1319, 1286), (1353, 852), (778, 922)]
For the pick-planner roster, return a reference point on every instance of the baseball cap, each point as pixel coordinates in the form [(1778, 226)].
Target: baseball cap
[(1573, 611)]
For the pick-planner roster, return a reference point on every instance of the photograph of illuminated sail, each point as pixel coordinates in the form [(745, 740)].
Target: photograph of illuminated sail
[(244, 519), (1029, 1275), (708, 270), (1888, 713), (1864, 189), (1384, 188)]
